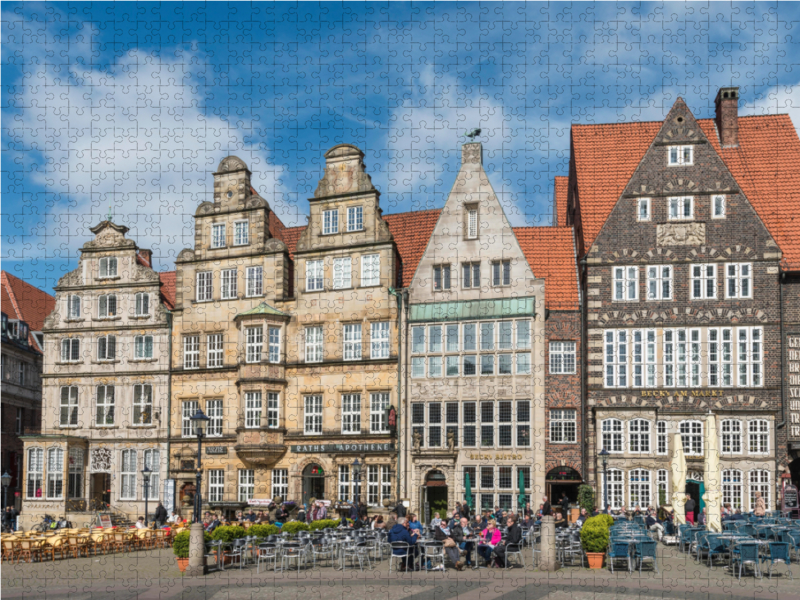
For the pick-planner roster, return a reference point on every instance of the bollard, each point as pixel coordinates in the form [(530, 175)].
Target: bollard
[(547, 558), (197, 550)]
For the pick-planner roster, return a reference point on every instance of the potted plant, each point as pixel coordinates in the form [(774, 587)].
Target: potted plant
[(180, 548), (594, 539), (292, 527)]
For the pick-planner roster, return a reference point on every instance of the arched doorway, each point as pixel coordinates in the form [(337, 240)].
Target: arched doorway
[(313, 483), (434, 495), (562, 480)]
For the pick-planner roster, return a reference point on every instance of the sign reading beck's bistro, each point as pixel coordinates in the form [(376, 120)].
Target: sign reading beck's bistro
[(356, 448)]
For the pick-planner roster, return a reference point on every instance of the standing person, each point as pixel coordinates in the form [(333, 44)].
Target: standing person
[(400, 509), (528, 510), (513, 537), (160, 515), (761, 507), (547, 510), (353, 513), (301, 514), (565, 505), (457, 510), (689, 509), (490, 537), (466, 512), (362, 510)]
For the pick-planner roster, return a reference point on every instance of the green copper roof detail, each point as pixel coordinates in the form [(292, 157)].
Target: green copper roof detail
[(263, 309), (474, 309)]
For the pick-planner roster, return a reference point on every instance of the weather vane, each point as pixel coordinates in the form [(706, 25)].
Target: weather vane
[(109, 211), (473, 134)]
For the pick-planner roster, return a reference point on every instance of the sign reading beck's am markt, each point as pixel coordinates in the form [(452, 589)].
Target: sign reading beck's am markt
[(355, 448)]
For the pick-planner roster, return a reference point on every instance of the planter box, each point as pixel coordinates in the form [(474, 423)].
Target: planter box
[(595, 559), (183, 563)]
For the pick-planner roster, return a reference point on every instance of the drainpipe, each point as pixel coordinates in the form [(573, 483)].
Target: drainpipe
[(169, 390), (781, 281), (399, 294), (584, 366)]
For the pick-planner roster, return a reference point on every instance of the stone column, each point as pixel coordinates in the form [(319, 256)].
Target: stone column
[(547, 558), (197, 550)]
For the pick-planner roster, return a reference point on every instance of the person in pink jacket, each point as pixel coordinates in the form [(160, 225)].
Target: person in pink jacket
[(490, 537)]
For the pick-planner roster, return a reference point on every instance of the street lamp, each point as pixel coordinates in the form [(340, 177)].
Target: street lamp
[(604, 454), (146, 475), (356, 477), (198, 419), (5, 479)]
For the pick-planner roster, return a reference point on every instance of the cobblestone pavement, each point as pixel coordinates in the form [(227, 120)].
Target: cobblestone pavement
[(153, 575)]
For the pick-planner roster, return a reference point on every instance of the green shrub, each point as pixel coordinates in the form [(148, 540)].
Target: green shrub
[(180, 545), (263, 530), (228, 533), (293, 527), (594, 534), (607, 519), (323, 523), (586, 498)]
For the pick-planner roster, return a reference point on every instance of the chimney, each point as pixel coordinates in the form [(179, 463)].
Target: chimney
[(727, 116), (147, 255)]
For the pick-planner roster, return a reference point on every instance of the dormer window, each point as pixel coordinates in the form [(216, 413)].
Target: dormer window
[(472, 223), (108, 267), (330, 222), (107, 306), (718, 207), (643, 209), (680, 156), (218, 235), (355, 218), (681, 208), (74, 307)]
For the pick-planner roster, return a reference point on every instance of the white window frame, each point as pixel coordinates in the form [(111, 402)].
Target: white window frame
[(662, 438), (315, 278), (691, 431), (142, 304), (659, 282), (418, 339), (104, 406), (229, 284), (417, 367), (104, 303), (442, 278), (188, 410), (215, 351), (254, 281), (643, 215), (615, 487), (373, 485), (108, 268), (247, 484), (749, 357), (759, 480), (625, 283), (313, 340), (677, 156), (330, 221), (676, 358), (563, 426), (205, 286), (662, 483), (218, 235), (129, 464), (379, 340), (351, 414), (55, 474), (152, 460), (523, 361), (731, 437), (370, 270), (241, 235), (355, 218), (34, 473), (142, 404), (214, 411), (191, 352), (71, 349), (735, 279), (501, 273), (344, 488), (643, 346), (253, 409), (68, 409), (342, 273), (254, 344), (640, 432), (74, 307), (718, 206), (615, 358), (640, 488), (758, 434), (733, 488), (677, 208), (523, 342), (312, 414), (216, 485), (703, 276), (280, 483), (273, 410), (351, 341), (141, 349), (378, 408), (107, 348), (274, 341), (470, 275), (435, 366), (562, 358), (720, 356), (472, 223), (612, 435)]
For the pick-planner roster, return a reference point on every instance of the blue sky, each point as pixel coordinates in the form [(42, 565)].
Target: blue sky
[(132, 105)]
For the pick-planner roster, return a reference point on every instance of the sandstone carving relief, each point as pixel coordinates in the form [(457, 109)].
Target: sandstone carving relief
[(681, 234), (100, 460)]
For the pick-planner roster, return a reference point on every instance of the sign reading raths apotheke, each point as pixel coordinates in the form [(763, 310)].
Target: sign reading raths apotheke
[(355, 448)]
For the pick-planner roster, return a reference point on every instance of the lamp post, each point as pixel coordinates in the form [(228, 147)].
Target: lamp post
[(356, 478), (146, 479), (604, 454), (5, 479), (196, 543), (198, 419)]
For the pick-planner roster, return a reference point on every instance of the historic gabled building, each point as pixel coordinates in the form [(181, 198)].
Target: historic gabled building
[(105, 386), (24, 310), (679, 227)]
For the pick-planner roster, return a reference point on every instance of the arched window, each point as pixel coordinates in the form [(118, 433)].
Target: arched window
[(612, 435), (732, 488), (55, 473), (759, 482), (731, 436), (74, 307), (35, 473), (640, 489), (616, 488), (758, 436), (692, 437), (639, 436)]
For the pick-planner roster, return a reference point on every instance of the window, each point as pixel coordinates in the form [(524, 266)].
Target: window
[(732, 489), (759, 482), (254, 281), (472, 223), (75, 473), (487, 424), (758, 436), (487, 336), (344, 483), (107, 306), (74, 307), (704, 282), (501, 273), (748, 357), (142, 304), (313, 343), (21, 373), (418, 367), (280, 483), (504, 335), (643, 209), (378, 408), (639, 485), (451, 366), (659, 283), (680, 155), (69, 406), (379, 340), (143, 347), (616, 489), (718, 207), (104, 403), (218, 235), (35, 473), (639, 436), (70, 350), (470, 339), (738, 280), (523, 335), (314, 275), (342, 268), (643, 344), (152, 460), (254, 343), (663, 487), (524, 363), (216, 484), (434, 425), (694, 357), (355, 218), (313, 415), (247, 484), (352, 342), (107, 347), (55, 473), (563, 426), (188, 427), (680, 208), (504, 364), (252, 410), (504, 478), (274, 344), (241, 233), (731, 436), (661, 438), (108, 267), (441, 277), (417, 340), (215, 352), (351, 413), (228, 287), (626, 283), (191, 352), (435, 338), (562, 358), (504, 413), (142, 404), (129, 465), (470, 275), (612, 436), (487, 364), (487, 478), (720, 357), (273, 409), (214, 413), (330, 222), (386, 483), (417, 422), (204, 286), (370, 270), (469, 418), (616, 358), (675, 358), (692, 437), (434, 366), (451, 423)]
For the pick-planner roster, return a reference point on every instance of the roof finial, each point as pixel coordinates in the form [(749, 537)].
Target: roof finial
[(109, 212), (473, 134)]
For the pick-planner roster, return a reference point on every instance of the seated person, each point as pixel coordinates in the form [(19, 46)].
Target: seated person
[(490, 537), (513, 537), (652, 524), (401, 532), (465, 531), (443, 533)]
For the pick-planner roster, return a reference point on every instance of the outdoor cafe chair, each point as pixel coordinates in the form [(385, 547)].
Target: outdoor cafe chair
[(778, 553), (29, 550), (322, 549), (646, 551), (11, 550), (356, 551), (267, 553), (292, 552), (237, 551), (747, 553), (77, 545), (701, 544), (433, 555), (401, 552), (619, 551), (715, 547), (514, 550)]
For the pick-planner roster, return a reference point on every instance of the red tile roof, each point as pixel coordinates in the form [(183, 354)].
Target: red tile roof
[(560, 201), (766, 165), (289, 236), (276, 226), (411, 232), (20, 300), (168, 288), (550, 252)]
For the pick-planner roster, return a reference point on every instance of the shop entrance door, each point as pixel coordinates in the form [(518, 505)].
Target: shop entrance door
[(101, 491), (313, 483)]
